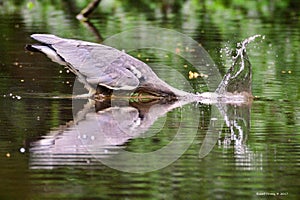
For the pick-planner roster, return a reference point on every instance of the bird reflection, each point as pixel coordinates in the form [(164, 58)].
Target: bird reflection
[(100, 131)]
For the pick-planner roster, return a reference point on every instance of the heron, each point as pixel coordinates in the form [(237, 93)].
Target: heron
[(98, 65)]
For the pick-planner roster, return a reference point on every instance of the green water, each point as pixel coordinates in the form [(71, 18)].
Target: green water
[(265, 165)]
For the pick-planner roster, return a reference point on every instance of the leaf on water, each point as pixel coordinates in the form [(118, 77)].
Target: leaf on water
[(30, 5)]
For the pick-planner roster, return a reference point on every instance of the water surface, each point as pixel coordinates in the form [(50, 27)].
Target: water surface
[(262, 162)]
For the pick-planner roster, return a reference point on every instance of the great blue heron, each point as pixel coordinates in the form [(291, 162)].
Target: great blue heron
[(97, 64)]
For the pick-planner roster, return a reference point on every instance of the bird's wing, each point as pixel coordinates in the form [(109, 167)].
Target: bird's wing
[(100, 64)]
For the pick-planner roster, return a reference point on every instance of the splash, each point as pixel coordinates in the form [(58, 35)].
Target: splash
[(238, 79)]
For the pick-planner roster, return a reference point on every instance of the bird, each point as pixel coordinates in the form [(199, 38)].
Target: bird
[(106, 69), (100, 65)]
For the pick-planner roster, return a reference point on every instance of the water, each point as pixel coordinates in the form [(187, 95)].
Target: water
[(261, 161)]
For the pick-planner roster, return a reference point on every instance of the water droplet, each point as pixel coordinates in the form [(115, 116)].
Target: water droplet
[(22, 150)]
